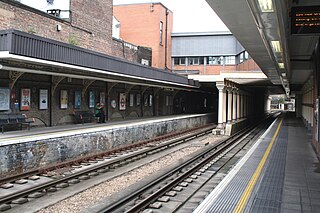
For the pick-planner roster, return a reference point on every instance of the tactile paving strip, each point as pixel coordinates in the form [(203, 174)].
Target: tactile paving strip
[(268, 196), (230, 196)]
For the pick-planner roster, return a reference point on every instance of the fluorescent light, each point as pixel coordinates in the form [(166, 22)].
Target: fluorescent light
[(266, 6), (283, 74), (276, 46), (281, 65)]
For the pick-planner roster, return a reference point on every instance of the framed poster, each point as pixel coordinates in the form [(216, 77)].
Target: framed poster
[(63, 99), (150, 100), (122, 101), (138, 99), (167, 100), (77, 99), (102, 98), (145, 100), (91, 99), (113, 104), (131, 100), (25, 99), (4, 98), (43, 99)]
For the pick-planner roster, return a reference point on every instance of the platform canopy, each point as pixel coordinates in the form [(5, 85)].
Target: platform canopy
[(263, 29)]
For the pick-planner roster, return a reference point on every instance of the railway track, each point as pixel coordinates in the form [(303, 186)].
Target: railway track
[(99, 163), (157, 193)]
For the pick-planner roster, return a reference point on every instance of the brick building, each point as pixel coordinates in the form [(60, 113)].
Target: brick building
[(147, 25), (51, 67), (209, 53)]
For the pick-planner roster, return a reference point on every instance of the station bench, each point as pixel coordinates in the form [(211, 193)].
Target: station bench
[(14, 119), (83, 116)]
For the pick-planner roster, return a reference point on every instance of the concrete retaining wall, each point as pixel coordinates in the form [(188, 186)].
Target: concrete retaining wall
[(20, 157)]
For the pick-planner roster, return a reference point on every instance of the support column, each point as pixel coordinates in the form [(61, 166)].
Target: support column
[(241, 105), (224, 113), (220, 86), (229, 106), (238, 105), (234, 105)]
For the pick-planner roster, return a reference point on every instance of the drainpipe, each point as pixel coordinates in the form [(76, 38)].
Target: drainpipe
[(166, 41)]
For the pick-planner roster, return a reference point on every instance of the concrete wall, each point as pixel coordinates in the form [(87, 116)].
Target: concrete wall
[(27, 155)]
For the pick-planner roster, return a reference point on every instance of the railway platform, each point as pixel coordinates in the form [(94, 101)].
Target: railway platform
[(280, 173)]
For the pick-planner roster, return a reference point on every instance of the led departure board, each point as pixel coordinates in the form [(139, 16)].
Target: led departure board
[(305, 20)]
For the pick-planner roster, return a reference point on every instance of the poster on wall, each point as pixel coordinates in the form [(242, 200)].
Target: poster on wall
[(43, 99), (102, 98), (91, 99), (25, 99), (138, 99), (122, 101), (131, 98), (146, 100), (150, 100), (4, 98), (77, 99), (63, 99)]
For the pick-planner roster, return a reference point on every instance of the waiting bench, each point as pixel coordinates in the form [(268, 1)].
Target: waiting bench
[(83, 116), (14, 119)]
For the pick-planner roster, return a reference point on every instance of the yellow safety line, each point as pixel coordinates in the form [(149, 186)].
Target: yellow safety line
[(246, 194)]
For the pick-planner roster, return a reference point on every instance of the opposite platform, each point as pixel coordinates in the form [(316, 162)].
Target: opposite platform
[(280, 173)]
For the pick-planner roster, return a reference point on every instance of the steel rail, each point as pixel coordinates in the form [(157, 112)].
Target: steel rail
[(217, 149), (44, 186)]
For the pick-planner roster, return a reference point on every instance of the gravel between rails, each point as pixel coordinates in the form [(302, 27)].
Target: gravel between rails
[(93, 195)]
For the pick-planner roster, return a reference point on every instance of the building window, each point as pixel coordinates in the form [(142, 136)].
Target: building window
[(230, 60), (211, 60), (182, 61), (176, 61), (241, 57), (246, 55), (161, 31)]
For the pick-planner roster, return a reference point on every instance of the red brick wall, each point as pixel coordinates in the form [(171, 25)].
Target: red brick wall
[(90, 33), (210, 69), (248, 65), (141, 26)]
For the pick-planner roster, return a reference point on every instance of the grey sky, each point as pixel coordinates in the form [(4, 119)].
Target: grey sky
[(188, 15)]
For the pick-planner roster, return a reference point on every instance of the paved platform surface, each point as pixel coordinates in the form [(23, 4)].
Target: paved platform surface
[(38, 133), (281, 173)]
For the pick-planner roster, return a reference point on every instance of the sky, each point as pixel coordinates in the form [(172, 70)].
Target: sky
[(188, 15)]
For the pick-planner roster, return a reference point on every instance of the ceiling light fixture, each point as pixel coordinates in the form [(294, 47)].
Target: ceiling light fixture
[(276, 46), (281, 65), (266, 6)]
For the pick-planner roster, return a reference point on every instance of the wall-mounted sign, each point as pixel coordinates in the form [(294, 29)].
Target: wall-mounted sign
[(138, 99), (131, 97), (25, 99), (150, 100), (122, 101), (91, 99), (102, 98), (77, 99), (4, 98), (43, 99), (63, 99), (305, 20), (113, 104)]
